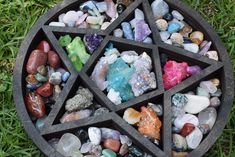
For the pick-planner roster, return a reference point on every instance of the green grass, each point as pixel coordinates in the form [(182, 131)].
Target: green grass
[(16, 19)]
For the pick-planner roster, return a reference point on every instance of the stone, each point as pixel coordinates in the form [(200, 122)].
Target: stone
[(135, 151), (179, 100), (82, 135), (108, 153), (157, 108), (194, 138), (164, 35), (101, 111), (65, 76), (197, 37), (202, 92), (97, 26), (162, 24), (112, 144), (139, 14), (216, 82), (215, 102), (45, 90), (93, 20), (218, 93), (173, 27), (94, 134), (55, 78), (205, 128), (196, 103), (125, 140), (36, 59), (131, 116), (168, 17), (148, 40), (174, 73), (212, 55), (118, 33), (177, 112), (187, 129), (194, 70), (142, 30), (205, 48), (102, 6), (177, 15), (124, 150), (40, 123), (86, 147), (208, 116), (109, 134), (73, 116), (168, 42), (159, 8), (127, 31), (177, 38), (92, 41), (31, 79), (54, 60), (96, 150), (81, 21), (57, 24), (179, 142), (105, 25), (44, 46), (175, 130), (179, 154), (68, 145), (56, 92), (42, 70), (209, 86), (149, 124), (144, 61), (185, 31), (114, 96), (70, 17), (129, 56), (180, 121), (32, 87), (111, 10), (192, 47), (65, 40), (41, 78)]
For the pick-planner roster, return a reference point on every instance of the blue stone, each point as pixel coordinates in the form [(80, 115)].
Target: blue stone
[(173, 27), (40, 123), (33, 86), (179, 100), (175, 130), (128, 33), (187, 40), (65, 76), (148, 40)]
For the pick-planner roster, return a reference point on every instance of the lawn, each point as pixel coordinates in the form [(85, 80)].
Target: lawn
[(16, 19)]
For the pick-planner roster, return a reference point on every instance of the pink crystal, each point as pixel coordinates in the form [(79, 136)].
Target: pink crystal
[(174, 73)]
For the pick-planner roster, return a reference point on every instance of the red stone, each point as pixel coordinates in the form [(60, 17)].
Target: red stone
[(187, 129), (45, 90), (54, 59), (112, 144), (35, 104), (174, 73), (36, 59), (44, 46)]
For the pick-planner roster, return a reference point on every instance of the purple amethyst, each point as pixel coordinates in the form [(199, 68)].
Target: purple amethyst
[(193, 70), (92, 41), (142, 30)]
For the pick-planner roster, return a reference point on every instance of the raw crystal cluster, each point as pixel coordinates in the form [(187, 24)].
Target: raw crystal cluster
[(194, 115), (95, 142), (147, 120), (81, 106), (77, 49), (174, 30), (92, 14), (124, 75), (137, 29), (44, 82)]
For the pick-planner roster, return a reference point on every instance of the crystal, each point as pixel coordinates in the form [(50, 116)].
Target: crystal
[(187, 129), (128, 33), (73, 116), (208, 116), (180, 121), (142, 30), (177, 15), (65, 40), (118, 33), (92, 41), (131, 116), (192, 47), (205, 48)]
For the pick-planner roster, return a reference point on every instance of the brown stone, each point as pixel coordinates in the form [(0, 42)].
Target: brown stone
[(44, 46), (179, 154), (36, 59), (45, 90), (53, 59), (112, 144), (187, 129), (35, 104), (30, 79), (124, 150)]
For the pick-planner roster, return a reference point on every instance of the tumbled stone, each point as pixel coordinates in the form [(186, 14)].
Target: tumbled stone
[(215, 102), (216, 82), (108, 153), (192, 47), (93, 20), (42, 70), (209, 86), (161, 24), (118, 33), (179, 154), (218, 93), (177, 38), (186, 30), (177, 112), (31, 79), (131, 116), (164, 35), (128, 33), (96, 150), (36, 59), (125, 140), (179, 142), (45, 90), (101, 111), (173, 27), (57, 24), (202, 92), (187, 129), (136, 151), (94, 135), (142, 30), (69, 117), (101, 6), (177, 15), (55, 78), (157, 108), (123, 150), (54, 60), (111, 10), (112, 144), (194, 138), (110, 134), (44, 46), (197, 37), (86, 147), (159, 8), (68, 144), (70, 17), (105, 25), (205, 128), (92, 41), (179, 100), (148, 40), (186, 118), (41, 78), (81, 23), (208, 116), (32, 87), (212, 55), (65, 76)]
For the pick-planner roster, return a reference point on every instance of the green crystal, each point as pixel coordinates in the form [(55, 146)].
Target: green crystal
[(118, 76), (108, 153), (76, 62), (65, 40), (77, 48), (40, 78)]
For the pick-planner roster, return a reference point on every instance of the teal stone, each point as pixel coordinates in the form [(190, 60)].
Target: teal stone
[(108, 153), (118, 76), (136, 151), (40, 123), (202, 92), (41, 78), (218, 93), (173, 27), (179, 100)]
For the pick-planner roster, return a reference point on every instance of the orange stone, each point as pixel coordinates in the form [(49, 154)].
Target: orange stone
[(187, 129), (112, 144), (179, 154), (36, 59), (45, 90), (44, 46), (149, 124)]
